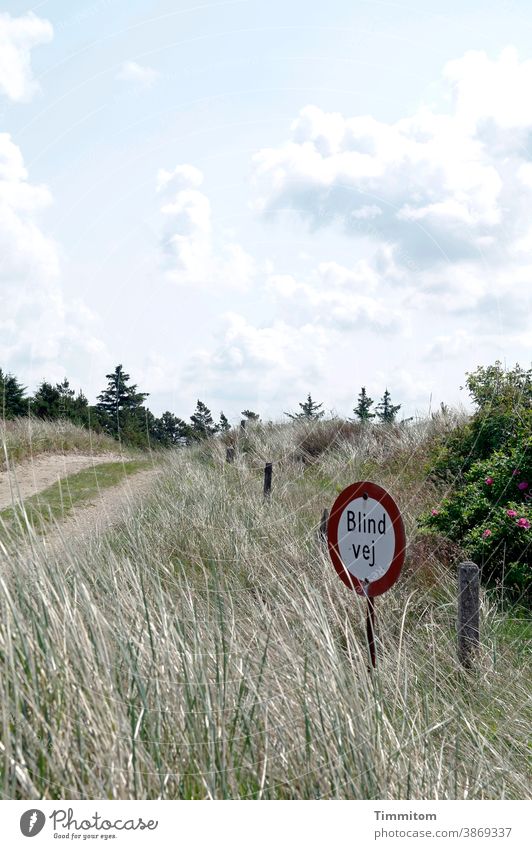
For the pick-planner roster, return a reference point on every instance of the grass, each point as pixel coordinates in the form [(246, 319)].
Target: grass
[(23, 438), (58, 500), (205, 648)]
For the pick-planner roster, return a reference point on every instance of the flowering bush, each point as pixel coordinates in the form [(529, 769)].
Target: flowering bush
[(487, 466), (492, 524), (503, 401)]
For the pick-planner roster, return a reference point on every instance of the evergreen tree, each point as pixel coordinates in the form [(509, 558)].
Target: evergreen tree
[(250, 415), (45, 404), (223, 425), (66, 393), (309, 410), (170, 430), (13, 401), (386, 411), (363, 409), (66, 399), (120, 408), (79, 410), (203, 424)]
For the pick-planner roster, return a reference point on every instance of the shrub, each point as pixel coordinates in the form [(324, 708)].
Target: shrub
[(488, 512), (503, 401), (320, 436)]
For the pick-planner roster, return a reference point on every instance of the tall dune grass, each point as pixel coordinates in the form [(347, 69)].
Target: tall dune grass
[(26, 437), (207, 649)]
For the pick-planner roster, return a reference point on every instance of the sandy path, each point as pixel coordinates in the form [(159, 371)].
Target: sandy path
[(105, 509), (34, 475)]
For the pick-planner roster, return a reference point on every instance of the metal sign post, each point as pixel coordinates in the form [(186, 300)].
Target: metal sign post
[(370, 630)]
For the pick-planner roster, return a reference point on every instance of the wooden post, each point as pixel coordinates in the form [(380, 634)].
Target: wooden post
[(468, 612), (370, 630), (268, 479), (230, 455), (324, 525)]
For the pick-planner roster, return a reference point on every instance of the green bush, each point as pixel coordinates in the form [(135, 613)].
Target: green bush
[(488, 508), (503, 401)]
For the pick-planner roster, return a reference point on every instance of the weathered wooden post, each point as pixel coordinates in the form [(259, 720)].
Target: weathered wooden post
[(324, 526), (268, 479), (230, 455), (468, 612)]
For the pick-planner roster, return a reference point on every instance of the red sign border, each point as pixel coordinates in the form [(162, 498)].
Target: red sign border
[(373, 490)]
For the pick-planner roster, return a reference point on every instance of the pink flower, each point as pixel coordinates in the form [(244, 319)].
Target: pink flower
[(523, 485), (523, 523), (488, 481), (516, 472), (437, 512), (487, 533), (511, 513)]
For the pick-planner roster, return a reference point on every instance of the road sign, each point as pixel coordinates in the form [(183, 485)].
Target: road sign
[(366, 538)]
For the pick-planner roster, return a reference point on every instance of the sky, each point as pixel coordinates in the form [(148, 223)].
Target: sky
[(247, 201)]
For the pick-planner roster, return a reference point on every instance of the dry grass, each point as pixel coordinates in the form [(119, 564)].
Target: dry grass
[(23, 438), (206, 648)]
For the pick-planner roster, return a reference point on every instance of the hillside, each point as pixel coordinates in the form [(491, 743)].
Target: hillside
[(25, 438), (205, 648)]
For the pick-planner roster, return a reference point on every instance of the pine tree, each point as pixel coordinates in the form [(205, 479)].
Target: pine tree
[(66, 393), (223, 425), (120, 407), (364, 404), (79, 410), (386, 411), (202, 422), (170, 430), (250, 415), (13, 401), (309, 410), (45, 404)]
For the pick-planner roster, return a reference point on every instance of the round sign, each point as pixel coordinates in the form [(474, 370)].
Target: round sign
[(366, 538)]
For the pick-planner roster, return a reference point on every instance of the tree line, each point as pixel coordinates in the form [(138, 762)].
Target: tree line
[(121, 412)]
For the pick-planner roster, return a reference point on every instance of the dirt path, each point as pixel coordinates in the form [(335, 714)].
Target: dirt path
[(32, 476), (105, 509)]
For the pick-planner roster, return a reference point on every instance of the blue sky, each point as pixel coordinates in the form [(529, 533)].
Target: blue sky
[(247, 201)]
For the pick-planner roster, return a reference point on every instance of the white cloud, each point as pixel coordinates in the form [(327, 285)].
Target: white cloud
[(41, 330), (17, 38), (265, 365), (484, 89), (424, 181), (192, 253), (440, 204), (440, 185), (338, 298), (141, 75), (446, 199), (273, 363)]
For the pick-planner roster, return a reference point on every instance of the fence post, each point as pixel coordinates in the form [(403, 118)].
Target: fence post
[(268, 479), (230, 455), (468, 612), (324, 525)]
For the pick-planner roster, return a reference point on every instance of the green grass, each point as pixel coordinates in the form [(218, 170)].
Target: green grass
[(58, 500), (205, 648), (23, 438)]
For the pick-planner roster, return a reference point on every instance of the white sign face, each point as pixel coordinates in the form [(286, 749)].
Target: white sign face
[(366, 539)]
